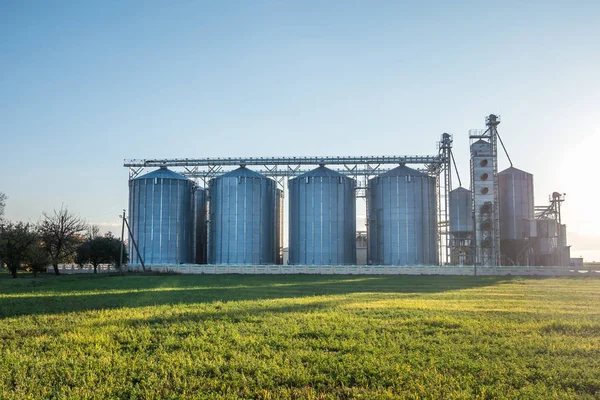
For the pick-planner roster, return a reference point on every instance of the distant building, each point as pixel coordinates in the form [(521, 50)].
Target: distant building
[(576, 262)]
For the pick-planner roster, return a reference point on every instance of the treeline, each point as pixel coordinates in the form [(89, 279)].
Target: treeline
[(61, 237)]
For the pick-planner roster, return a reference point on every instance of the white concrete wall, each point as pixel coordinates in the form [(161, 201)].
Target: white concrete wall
[(335, 269), (362, 270)]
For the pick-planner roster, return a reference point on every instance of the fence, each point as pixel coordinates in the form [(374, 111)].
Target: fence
[(85, 269)]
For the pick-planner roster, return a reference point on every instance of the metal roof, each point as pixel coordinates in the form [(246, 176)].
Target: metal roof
[(163, 172), (513, 171), (243, 172), (403, 171), (460, 189), (321, 171)]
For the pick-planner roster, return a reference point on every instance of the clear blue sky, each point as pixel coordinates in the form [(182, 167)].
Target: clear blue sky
[(84, 85)]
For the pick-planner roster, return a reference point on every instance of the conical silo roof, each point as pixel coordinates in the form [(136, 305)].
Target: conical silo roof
[(162, 172), (321, 171), (403, 171), (460, 189), (513, 171), (243, 172)]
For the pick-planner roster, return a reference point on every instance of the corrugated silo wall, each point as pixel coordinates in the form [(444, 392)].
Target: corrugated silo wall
[(402, 221), (516, 203), (160, 215), (322, 220), (461, 212), (515, 193), (242, 220)]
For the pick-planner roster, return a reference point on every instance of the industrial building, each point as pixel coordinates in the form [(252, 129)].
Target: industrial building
[(230, 211)]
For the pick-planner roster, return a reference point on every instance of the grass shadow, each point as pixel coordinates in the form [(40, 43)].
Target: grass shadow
[(64, 294)]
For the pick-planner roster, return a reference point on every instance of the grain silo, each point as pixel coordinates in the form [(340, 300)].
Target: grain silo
[(517, 225), (161, 218), (461, 227), (242, 220), (547, 236), (403, 218), (322, 225), (461, 213), (515, 189)]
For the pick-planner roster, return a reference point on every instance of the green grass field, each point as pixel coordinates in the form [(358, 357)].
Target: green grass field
[(299, 337)]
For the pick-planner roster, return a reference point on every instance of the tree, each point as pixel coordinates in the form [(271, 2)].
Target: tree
[(61, 234), (93, 231), (100, 250), (37, 258), (16, 240)]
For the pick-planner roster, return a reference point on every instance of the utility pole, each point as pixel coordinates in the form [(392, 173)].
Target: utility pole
[(135, 244), (122, 240)]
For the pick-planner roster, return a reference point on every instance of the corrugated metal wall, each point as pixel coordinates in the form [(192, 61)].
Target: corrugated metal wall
[(461, 213), (161, 218), (242, 218), (402, 218), (516, 203), (322, 211)]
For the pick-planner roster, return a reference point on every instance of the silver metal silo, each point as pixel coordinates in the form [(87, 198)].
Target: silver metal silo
[(403, 218), (547, 232), (161, 217), (461, 213), (242, 218), (562, 238), (322, 218), (516, 203), (461, 227), (200, 229)]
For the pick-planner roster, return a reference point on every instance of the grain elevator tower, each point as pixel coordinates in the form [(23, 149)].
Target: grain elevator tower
[(484, 189)]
